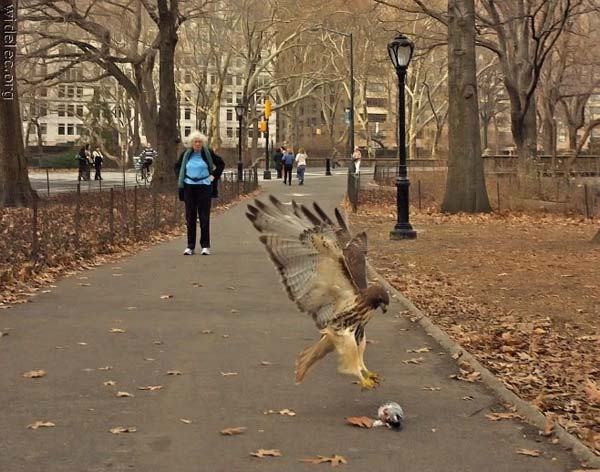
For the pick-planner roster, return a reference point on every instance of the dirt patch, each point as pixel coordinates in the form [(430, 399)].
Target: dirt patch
[(521, 293)]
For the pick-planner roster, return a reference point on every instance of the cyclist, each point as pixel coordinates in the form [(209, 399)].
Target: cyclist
[(147, 155)]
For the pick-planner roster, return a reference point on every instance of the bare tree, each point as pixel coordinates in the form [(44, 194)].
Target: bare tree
[(15, 188), (465, 187)]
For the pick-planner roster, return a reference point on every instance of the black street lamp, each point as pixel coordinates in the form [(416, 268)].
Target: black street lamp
[(400, 50), (239, 111)]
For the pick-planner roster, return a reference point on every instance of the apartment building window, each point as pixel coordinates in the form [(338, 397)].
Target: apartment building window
[(187, 114), (70, 129), (79, 130), (230, 97), (42, 109), (229, 114), (238, 97), (62, 91), (187, 78), (229, 80), (70, 110), (70, 92), (79, 92), (44, 92), (61, 129), (229, 132), (377, 118), (79, 111), (43, 129), (376, 102), (187, 130), (62, 109), (188, 95)]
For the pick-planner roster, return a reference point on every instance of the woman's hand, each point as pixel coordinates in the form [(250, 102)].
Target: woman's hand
[(212, 178)]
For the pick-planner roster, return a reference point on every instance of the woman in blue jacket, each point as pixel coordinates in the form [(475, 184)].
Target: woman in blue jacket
[(198, 171)]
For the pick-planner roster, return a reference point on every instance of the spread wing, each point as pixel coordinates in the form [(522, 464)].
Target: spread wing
[(317, 272)]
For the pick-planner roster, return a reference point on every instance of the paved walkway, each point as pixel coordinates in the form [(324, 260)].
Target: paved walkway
[(228, 314)]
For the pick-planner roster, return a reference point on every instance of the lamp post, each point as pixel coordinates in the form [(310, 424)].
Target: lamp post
[(239, 111), (265, 129), (351, 60), (401, 50)]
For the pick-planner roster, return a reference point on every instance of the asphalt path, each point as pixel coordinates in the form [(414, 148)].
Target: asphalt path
[(231, 332)]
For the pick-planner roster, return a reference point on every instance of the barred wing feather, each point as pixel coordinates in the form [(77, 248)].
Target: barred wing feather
[(308, 258)]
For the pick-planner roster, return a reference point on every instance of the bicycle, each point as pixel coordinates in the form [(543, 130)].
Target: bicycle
[(143, 173)]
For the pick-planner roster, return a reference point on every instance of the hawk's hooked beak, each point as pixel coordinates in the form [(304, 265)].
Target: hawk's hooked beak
[(383, 308)]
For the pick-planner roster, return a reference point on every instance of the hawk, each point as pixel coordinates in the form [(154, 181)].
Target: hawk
[(323, 269)]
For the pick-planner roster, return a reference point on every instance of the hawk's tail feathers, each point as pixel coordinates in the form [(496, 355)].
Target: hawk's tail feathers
[(312, 354)]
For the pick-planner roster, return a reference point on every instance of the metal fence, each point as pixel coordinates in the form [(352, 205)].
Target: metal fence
[(67, 228)]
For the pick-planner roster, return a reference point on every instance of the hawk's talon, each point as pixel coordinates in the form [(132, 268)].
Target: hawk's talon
[(368, 383), (374, 376)]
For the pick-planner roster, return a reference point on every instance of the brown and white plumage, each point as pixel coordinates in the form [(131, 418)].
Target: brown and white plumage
[(323, 269)]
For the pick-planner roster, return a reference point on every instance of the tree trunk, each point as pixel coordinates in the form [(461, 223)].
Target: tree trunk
[(596, 239), (167, 114), (15, 188), (485, 127), (465, 186)]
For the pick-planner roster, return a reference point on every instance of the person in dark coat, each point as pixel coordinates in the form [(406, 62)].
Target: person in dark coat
[(82, 160), (278, 160), (198, 170), (288, 165), (98, 160)]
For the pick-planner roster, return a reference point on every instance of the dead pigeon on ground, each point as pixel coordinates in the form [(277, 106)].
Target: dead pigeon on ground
[(390, 414)]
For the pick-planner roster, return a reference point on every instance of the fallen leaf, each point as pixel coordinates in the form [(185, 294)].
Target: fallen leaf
[(287, 412), (82, 344), (116, 330), (266, 453), (173, 372), (34, 374), (225, 336), (233, 431), (149, 359), (266, 363), (183, 420), (207, 331), (124, 395), (84, 285), (228, 374), (420, 350), (123, 429), (151, 388), (548, 426), (106, 367), (497, 416), (592, 391), (110, 383), (197, 284), (467, 397), (231, 287), (360, 421), (158, 343), (166, 297), (431, 389), (414, 360), (335, 460), (528, 452), (41, 424), (233, 310)]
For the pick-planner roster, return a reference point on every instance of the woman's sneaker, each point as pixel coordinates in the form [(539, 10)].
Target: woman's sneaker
[(188, 252), (205, 251)]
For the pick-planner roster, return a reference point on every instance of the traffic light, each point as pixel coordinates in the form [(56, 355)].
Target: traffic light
[(267, 108), (262, 125)]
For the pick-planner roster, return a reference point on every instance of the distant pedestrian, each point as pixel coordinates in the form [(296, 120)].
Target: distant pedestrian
[(147, 156), (278, 160), (98, 161), (356, 157), (198, 171), (288, 166), (300, 165), (83, 163)]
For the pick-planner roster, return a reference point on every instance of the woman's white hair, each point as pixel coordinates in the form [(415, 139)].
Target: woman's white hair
[(196, 136)]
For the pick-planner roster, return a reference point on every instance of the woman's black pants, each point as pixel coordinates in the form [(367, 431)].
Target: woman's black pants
[(287, 174), (197, 200)]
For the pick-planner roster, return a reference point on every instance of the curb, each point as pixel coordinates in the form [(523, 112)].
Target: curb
[(531, 415)]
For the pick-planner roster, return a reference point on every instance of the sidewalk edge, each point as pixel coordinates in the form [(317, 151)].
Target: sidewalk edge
[(533, 416)]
